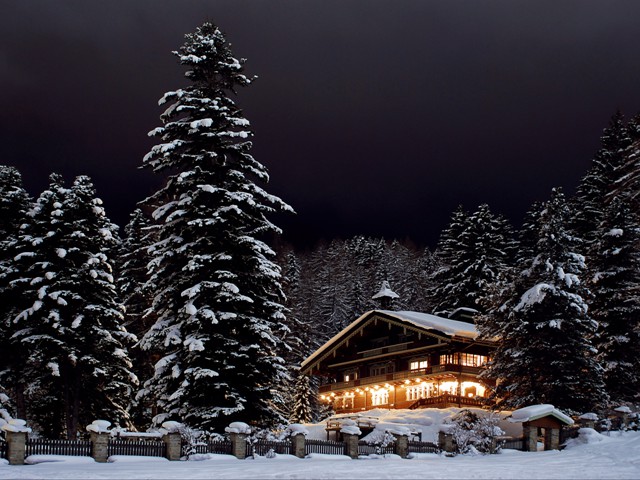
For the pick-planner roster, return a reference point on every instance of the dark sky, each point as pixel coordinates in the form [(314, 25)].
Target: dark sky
[(373, 117)]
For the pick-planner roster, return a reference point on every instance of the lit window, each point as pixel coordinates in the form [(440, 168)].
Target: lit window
[(380, 397), (418, 364)]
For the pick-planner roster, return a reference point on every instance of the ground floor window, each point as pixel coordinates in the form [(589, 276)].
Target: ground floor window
[(423, 390), (344, 402), (380, 397)]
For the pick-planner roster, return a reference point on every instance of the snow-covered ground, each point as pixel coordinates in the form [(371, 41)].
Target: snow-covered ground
[(591, 456)]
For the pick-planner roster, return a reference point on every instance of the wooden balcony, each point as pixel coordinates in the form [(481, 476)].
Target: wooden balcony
[(448, 400), (427, 373)]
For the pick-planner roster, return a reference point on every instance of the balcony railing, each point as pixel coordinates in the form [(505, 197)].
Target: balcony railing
[(404, 375)]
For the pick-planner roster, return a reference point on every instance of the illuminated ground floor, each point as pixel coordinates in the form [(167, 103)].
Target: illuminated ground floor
[(456, 387)]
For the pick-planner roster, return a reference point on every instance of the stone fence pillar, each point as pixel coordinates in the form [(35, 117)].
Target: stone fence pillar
[(100, 446), (445, 442), (173, 441), (402, 446), (238, 445), (299, 444), (17, 446), (351, 443)]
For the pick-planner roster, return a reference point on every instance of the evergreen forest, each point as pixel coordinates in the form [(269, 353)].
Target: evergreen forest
[(191, 311)]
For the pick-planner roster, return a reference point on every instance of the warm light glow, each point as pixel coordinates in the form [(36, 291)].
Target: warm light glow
[(322, 397), (449, 387), (468, 389), (418, 380)]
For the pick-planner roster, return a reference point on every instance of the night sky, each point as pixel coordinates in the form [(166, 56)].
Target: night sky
[(373, 117)]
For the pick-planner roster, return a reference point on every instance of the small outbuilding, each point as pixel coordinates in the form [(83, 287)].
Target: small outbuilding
[(545, 420)]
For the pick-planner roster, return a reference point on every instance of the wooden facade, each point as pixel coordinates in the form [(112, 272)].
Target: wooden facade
[(389, 359)]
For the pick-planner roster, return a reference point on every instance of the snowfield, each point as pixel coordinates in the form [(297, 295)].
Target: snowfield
[(591, 456)]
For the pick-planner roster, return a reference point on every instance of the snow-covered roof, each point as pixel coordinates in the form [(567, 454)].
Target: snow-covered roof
[(534, 412), (431, 322), (424, 321)]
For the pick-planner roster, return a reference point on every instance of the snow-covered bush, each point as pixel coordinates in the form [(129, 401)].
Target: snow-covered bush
[(473, 432)]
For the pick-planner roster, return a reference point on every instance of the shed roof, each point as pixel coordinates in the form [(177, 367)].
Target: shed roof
[(534, 412)]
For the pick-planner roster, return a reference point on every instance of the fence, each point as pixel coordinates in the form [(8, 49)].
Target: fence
[(150, 448), (325, 447), (42, 446), (262, 447), (422, 447), (217, 446), (4, 450), (365, 448), (512, 443)]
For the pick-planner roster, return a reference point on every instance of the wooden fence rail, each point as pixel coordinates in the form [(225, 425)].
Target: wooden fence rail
[(42, 446), (219, 446), (512, 443), (155, 448), (325, 447), (375, 449), (262, 447), (422, 447)]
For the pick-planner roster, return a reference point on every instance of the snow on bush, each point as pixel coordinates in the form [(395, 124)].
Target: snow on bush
[(475, 432)]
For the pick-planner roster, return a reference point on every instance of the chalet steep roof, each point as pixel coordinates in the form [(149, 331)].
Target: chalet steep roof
[(423, 321), (432, 322)]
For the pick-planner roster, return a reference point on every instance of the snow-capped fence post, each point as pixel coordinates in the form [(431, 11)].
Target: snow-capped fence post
[(622, 415), (445, 439), (172, 439), (100, 446), (297, 432), (174, 445), (588, 420), (238, 433), (351, 444), (99, 434), (402, 445), (16, 433), (299, 445), (16, 447), (350, 433)]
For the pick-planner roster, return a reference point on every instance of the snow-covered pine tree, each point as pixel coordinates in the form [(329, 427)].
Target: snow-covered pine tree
[(592, 192), (218, 297), (627, 182), (303, 397), (70, 337), (615, 305), (545, 352), (132, 286), (474, 249), (14, 204)]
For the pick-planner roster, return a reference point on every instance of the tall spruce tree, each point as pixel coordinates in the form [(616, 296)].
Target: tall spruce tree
[(217, 292), (545, 352), (474, 249), (593, 191), (615, 305), (132, 285), (14, 204), (70, 338)]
